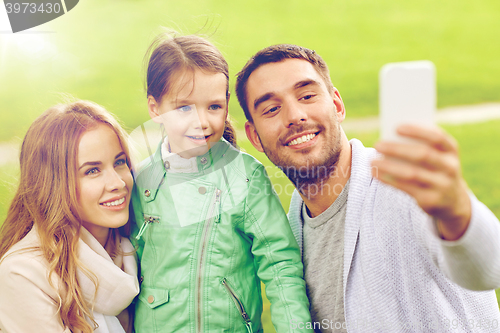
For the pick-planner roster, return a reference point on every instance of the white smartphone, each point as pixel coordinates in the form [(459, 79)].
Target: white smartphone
[(407, 96)]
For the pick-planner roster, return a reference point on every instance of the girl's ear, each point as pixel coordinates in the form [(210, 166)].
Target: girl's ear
[(153, 108)]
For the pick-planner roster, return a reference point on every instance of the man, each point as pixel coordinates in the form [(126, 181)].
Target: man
[(389, 244)]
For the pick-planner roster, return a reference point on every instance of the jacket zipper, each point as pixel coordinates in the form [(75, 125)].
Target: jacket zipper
[(239, 306), (148, 219), (202, 253)]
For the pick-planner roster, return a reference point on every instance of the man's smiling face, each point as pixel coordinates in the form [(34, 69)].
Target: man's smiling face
[(295, 118)]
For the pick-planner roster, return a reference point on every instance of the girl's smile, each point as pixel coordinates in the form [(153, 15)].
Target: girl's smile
[(194, 113)]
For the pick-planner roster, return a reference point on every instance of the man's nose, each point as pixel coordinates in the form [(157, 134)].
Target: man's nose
[(294, 114)]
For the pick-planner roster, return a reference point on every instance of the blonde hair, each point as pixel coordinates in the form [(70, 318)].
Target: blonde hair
[(47, 198), (167, 55)]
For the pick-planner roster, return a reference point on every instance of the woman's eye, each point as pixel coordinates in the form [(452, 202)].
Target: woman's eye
[(92, 171), (121, 161), (184, 108), (214, 107)]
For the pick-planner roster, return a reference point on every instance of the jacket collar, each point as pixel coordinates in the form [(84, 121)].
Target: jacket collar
[(150, 176), (361, 179)]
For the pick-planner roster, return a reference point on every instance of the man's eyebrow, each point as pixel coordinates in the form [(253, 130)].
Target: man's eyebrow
[(262, 99), (304, 83)]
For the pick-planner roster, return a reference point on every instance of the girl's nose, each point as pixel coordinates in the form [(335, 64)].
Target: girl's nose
[(202, 119)]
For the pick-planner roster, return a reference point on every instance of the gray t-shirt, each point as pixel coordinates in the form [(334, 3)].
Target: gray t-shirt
[(323, 264)]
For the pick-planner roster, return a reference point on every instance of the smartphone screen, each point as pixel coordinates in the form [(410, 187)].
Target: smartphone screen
[(407, 96)]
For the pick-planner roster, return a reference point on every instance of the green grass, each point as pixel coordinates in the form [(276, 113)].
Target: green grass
[(96, 53), (96, 49)]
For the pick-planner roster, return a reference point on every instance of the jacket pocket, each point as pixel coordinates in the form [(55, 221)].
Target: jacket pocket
[(153, 297), (239, 305)]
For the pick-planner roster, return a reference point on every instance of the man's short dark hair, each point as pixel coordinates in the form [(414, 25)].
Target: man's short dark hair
[(277, 53)]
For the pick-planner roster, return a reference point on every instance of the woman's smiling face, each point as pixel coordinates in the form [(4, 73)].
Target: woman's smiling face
[(104, 182)]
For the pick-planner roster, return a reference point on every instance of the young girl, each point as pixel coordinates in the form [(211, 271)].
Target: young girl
[(66, 264), (209, 226)]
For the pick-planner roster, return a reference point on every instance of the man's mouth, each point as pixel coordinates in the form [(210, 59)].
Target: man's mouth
[(302, 139)]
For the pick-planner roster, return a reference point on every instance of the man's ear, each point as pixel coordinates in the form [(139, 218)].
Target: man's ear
[(253, 136), (153, 108), (339, 105)]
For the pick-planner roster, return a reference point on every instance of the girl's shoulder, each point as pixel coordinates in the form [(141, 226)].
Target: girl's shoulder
[(241, 160)]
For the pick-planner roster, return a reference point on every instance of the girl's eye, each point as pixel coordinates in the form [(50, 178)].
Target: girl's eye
[(184, 108), (214, 107), (121, 161), (92, 171)]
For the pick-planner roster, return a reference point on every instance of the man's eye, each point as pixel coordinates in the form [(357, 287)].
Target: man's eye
[(92, 171), (272, 110), (306, 97), (214, 107), (185, 108)]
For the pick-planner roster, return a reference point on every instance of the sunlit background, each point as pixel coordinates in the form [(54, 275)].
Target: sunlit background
[(96, 51)]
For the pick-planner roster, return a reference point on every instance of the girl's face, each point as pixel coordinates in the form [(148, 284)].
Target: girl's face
[(194, 117), (104, 182)]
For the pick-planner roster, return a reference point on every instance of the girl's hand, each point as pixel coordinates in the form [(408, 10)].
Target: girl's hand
[(429, 170)]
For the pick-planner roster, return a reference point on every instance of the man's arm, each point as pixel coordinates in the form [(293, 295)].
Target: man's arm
[(429, 170)]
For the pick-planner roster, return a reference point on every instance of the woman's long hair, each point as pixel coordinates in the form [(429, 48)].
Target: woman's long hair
[(47, 198)]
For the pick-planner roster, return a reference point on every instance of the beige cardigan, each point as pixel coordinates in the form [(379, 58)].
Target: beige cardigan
[(28, 303)]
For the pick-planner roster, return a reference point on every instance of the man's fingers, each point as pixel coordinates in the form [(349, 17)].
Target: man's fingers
[(393, 171), (433, 136), (420, 154)]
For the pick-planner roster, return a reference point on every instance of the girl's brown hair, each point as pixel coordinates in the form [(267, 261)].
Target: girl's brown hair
[(168, 55), (47, 198)]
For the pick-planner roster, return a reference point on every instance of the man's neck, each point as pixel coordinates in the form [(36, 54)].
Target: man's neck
[(331, 187)]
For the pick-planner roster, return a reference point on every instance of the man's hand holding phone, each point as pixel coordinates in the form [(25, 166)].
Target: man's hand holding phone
[(418, 157)]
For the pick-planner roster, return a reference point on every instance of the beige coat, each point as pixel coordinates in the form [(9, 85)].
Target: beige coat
[(28, 303)]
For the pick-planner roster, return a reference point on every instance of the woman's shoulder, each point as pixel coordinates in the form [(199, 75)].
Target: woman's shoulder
[(25, 263)]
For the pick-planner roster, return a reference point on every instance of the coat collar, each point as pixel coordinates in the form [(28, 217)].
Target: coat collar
[(151, 172)]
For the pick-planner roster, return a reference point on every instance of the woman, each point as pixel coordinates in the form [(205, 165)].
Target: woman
[(66, 263)]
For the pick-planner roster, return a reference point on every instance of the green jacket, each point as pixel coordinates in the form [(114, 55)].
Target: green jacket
[(206, 241)]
